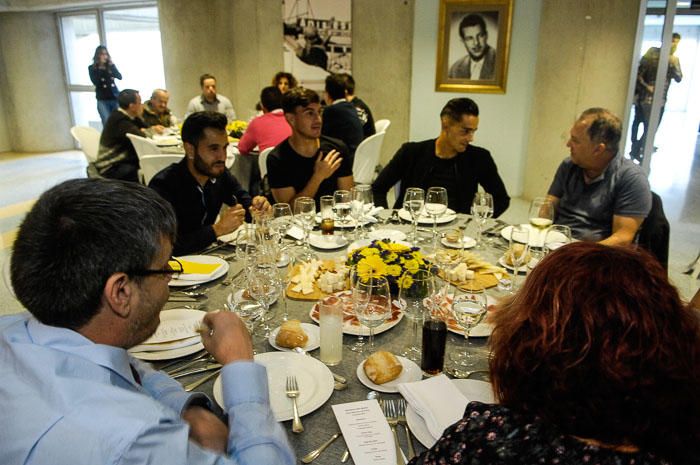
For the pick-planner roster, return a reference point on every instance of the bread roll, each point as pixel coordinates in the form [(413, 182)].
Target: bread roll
[(382, 367), (291, 335)]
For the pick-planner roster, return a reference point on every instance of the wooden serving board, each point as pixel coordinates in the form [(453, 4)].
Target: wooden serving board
[(480, 281), (317, 293)]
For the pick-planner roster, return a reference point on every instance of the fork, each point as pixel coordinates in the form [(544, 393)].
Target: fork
[(401, 415), (293, 393), (391, 418)]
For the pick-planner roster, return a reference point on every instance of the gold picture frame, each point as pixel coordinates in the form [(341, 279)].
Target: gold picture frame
[(485, 34)]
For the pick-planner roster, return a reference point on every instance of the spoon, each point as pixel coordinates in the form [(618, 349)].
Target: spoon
[(346, 454)]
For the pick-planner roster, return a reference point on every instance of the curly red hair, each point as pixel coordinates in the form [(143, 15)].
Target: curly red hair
[(599, 343)]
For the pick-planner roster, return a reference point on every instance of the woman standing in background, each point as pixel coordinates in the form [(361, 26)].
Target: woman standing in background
[(102, 74)]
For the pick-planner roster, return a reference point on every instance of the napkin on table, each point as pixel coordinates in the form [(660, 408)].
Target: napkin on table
[(437, 400), (189, 267)]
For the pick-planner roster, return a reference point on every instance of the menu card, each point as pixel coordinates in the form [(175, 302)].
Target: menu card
[(366, 432)]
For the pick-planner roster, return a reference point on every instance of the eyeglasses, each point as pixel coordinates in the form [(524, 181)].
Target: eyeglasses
[(174, 267)]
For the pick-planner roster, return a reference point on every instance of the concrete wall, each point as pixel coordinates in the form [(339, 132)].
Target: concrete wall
[(584, 59), (5, 144), (231, 40), (35, 103), (504, 118)]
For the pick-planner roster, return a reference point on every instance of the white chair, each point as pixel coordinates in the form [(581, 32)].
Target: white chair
[(143, 145), (366, 158), (382, 125), (262, 161), (152, 164), (89, 140)]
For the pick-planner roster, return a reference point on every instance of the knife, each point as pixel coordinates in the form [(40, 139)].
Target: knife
[(210, 367), (181, 298)]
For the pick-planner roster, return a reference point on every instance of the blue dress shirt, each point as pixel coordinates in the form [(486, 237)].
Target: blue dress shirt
[(67, 400)]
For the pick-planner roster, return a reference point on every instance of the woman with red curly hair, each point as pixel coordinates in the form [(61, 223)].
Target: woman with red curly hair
[(595, 360)]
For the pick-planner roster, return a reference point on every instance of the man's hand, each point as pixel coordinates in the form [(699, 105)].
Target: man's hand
[(206, 429), (260, 205), (227, 339), (230, 220), (327, 165), (158, 128)]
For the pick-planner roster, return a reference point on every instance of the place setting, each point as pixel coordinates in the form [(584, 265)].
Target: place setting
[(197, 269), (177, 336)]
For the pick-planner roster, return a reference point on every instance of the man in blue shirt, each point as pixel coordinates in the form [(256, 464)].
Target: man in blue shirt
[(91, 264)]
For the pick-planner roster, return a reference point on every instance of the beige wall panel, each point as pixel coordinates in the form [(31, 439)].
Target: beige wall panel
[(381, 53), (34, 99), (584, 58), (5, 144)]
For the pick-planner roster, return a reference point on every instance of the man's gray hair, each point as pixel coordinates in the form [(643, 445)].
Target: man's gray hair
[(605, 128)]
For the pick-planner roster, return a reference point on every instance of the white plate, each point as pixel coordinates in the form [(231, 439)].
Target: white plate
[(313, 377), (531, 264), (483, 329), (159, 347), (393, 235), (313, 331), (448, 216), (198, 278), (537, 236), (168, 354), (238, 297), (329, 242), (166, 141), (176, 324), (410, 373), (472, 389), (469, 242), (351, 325), (365, 242)]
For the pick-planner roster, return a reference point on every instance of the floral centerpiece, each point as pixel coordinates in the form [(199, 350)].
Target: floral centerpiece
[(388, 259), (236, 128)]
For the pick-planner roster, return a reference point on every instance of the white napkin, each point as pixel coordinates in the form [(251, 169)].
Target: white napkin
[(296, 232), (437, 400), (371, 213)]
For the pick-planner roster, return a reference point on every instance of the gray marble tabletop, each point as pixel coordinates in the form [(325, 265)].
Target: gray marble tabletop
[(320, 424)]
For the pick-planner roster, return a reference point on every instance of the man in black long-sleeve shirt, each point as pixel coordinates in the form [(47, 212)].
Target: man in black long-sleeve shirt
[(200, 184), (450, 161)]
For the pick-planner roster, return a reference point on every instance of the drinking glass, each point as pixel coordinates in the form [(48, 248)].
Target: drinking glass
[(281, 222), (435, 206), (359, 196), (415, 289), (341, 206), (359, 344), (541, 217), (556, 236), (469, 309), (482, 210), (518, 252), (305, 214), (413, 201), (372, 302), (264, 286), (249, 311), (326, 203)]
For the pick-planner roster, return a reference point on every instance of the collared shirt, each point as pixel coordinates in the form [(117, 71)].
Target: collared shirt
[(151, 117), (588, 207), (220, 104), (197, 207), (476, 66), (67, 400)]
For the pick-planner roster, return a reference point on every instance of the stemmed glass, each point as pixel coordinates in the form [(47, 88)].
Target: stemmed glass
[(282, 219), (414, 289), (435, 206), (359, 196), (305, 214), (264, 286), (541, 217), (372, 303), (556, 236), (359, 344), (249, 311), (518, 249), (413, 201), (469, 309), (482, 210), (341, 206)]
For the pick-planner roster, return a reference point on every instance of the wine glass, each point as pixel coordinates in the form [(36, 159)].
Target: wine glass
[(556, 236), (249, 311), (541, 217), (358, 195), (264, 286), (468, 309), (482, 210), (372, 302), (359, 344), (305, 214), (435, 206), (518, 252), (366, 208), (413, 201), (341, 206), (414, 289)]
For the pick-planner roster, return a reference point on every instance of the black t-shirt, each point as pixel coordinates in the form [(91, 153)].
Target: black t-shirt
[(444, 174), (286, 168)]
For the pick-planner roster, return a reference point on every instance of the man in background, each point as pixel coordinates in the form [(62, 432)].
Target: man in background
[(340, 119), (209, 100), (480, 61), (363, 111), (268, 129), (116, 156), (156, 113)]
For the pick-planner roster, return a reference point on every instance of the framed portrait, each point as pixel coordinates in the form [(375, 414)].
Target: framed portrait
[(473, 46)]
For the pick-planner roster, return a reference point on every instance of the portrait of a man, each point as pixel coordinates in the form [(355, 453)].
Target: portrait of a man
[(480, 61)]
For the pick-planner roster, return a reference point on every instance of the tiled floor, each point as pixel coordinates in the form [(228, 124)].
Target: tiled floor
[(24, 177)]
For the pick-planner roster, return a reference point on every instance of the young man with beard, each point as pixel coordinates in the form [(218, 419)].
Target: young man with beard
[(200, 184)]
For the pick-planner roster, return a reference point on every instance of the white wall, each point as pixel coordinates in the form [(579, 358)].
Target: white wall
[(504, 118)]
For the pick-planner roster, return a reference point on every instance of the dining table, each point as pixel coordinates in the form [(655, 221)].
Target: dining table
[(321, 424)]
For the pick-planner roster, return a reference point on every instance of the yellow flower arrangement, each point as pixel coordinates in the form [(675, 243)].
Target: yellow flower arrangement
[(236, 128), (388, 259)]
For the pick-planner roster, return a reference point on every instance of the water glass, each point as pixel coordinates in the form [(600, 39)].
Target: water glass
[(413, 201), (468, 309), (415, 289), (435, 206), (556, 236), (372, 303), (305, 214), (482, 210), (518, 253), (330, 318)]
